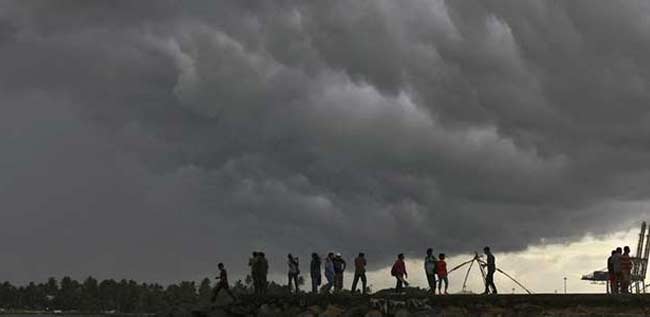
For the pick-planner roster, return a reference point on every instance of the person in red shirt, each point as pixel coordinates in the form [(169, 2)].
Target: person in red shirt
[(441, 270), (359, 273), (399, 272)]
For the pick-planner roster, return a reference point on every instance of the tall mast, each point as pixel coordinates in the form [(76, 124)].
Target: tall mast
[(644, 261), (639, 247), (646, 252)]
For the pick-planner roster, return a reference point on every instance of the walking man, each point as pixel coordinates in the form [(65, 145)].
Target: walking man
[(430, 263), (294, 271), (359, 273), (339, 268), (626, 270), (491, 268), (222, 284), (400, 274), (314, 271)]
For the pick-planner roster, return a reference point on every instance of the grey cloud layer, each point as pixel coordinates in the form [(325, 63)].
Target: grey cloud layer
[(147, 138)]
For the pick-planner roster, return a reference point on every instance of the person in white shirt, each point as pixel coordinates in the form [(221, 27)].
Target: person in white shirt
[(430, 263)]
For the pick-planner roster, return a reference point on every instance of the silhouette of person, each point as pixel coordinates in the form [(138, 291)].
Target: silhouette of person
[(430, 263), (314, 271), (617, 269), (611, 274), (360, 273), (255, 265), (294, 271), (339, 268), (264, 272), (441, 271), (329, 272), (626, 270), (222, 284), (399, 272), (491, 269)]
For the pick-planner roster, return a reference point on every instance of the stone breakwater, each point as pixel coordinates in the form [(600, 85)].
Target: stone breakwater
[(451, 305)]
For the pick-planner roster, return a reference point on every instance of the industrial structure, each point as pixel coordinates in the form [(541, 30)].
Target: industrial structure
[(639, 270)]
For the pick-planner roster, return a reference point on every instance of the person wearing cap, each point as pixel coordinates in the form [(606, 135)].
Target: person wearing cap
[(339, 268)]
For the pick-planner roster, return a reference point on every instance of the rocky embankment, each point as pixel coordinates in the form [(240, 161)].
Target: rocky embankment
[(451, 305)]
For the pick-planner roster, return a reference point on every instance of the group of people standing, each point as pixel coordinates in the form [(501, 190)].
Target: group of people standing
[(333, 267), (619, 268)]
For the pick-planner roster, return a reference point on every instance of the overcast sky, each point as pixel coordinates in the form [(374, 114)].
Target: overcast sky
[(151, 139)]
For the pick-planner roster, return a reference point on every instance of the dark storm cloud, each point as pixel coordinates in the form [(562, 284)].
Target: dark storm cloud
[(147, 138)]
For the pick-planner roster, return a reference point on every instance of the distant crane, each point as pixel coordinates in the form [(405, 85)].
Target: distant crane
[(639, 269)]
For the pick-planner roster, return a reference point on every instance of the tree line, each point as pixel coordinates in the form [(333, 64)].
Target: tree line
[(125, 296)]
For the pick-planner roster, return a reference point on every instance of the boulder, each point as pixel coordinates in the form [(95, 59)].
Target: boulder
[(267, 310), (402, 313), (454, 312), (357, 311), (218, 313), (432, 313), (332, 311), (315, 309), (374, 313)]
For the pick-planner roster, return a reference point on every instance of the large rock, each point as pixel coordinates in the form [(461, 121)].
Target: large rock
[(217, 313), (356, 311), (402, 313), (455, 312), (294, 311), (374, 313), (332, 311), (315, 309), (267, 310)]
